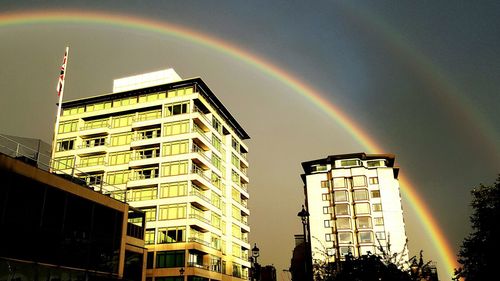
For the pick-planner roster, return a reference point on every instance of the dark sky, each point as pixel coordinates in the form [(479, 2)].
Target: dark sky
[(420, 77)]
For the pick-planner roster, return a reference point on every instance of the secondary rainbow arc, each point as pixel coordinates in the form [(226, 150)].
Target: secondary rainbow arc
[(92, 17)]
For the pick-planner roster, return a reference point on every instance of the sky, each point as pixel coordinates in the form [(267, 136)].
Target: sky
[(418, 78)]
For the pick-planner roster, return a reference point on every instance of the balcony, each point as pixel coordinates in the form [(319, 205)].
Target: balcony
[(93, 147), (100, 127)]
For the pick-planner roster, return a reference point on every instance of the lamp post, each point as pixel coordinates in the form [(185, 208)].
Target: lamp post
[(304, 217), (255, 269), (181, 272)]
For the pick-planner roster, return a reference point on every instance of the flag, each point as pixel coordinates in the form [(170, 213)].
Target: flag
[(60, 84)]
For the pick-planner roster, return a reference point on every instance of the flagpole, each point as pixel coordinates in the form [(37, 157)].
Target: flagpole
[(60, 88)]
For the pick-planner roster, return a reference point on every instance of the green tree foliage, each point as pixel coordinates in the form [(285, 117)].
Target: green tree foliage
[(479, 253)]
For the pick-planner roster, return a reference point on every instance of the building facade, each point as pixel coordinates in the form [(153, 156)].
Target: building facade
[(355, 207), (170, 148), (54, 229)]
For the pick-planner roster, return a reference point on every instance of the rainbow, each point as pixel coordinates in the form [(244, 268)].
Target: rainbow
[(447, 256)]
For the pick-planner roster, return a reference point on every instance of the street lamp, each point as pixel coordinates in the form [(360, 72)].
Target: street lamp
[(255, 265), (255, 252), (304, 217), (181, 271)]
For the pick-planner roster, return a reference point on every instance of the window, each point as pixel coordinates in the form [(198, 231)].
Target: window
[(375, 163), (124, 102), (176, 108), (326, 210), (171, 235), (172, 212), (122, 121), (150, 213), (325, 197), (148, 134), (340, 196), (180, 92), (327, 223), (98, 123), (67, 126), (318, 168), (169, 259), (216, 161), (150, 260), (345, 237), (94, 160), (378, 221), (146, 153), (235, 160), (380, 235), (365, 237), (149, 236), (324, 184), (328, 237), (66, 144), (342, 209), (92, 179), (375, 193), (217, 125), (362, 208), (173, 189), (118, 158), (176, 147), (215, 220), (121, 139), (359, 181), (152, 97), (216, 142), (174, 168), (343, 223), (364, 222), (377, 207), (175, 128), (118, 177), (149, 115), (345, 250), (73, 111), (360, 194), (350, 162), (339, 183), (374, 180), (62, 163), (142, 194)]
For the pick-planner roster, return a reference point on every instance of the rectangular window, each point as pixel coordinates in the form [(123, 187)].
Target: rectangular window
[(328, 237), (118, 158), (339, 183), (149, 115), (342, 209), (217, 125), (350, 162), (121, 139), (142, 194), (150, 213), (340, 196), (380, 235), (216, 161), (324, 184), (360, 194), (92, 179), (325, 197), (93, 160), (216, 142), (93, 142), (67, 126), (180, 92), (175, 147), (117, 177), (152, 97), (173, 189), (122, 121), (377, 207), (343, 223), (172, 212), (365, 237), (150, 260), (375, 193), (148, 134), (171, 235), (176, 108), (66, 144), (345, 237), (174, 168), (362, 208), (359, 181), (168, 259), (364, 222), (175, 128), (378, 221), (375, 163), (374, 180), (146, 153), (149, 236), (62, 163), (326, 223), (326, 210)]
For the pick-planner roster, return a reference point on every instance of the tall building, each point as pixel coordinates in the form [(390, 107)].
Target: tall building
[(355, 207), (170, 148)]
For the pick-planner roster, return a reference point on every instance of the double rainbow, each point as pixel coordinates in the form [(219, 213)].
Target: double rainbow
[(436, 235)]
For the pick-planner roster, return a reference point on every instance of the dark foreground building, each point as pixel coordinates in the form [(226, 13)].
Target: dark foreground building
[(54, 229)]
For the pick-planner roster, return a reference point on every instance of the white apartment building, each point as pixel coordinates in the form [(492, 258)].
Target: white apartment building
[(355, 206), (170, 148)]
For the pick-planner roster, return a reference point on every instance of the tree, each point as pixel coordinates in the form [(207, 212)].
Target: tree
[(479, 253)]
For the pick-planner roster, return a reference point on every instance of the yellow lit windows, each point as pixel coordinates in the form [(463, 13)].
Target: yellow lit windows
[(340, 196), (149, 115), (62, 163), (360, 194), (150, 213), (93, 124), (325, 197), (236, 253), (121, 139), (172, 212), (215, 199), (215, 220), (93, 160), (175, 128), (217, 125), (216, 180), (216, 161), (173, 189), (66, 144), (122, 121), (171, 235), (93, 142), (350, 162), (235, 160), (180, 92), (216, 142), (378, 221), (73, 111), (377, 207), (176, 108), (375, 193), (149, 236), (236, 212), (374, 180), (359, 181), (362, 208), (124, 101), (118, 177), (92, 179), (174, 168), (118, 158), (236, 231), (176, 147), (68, 126), (141, 194), (152, 97), (324, 184), (148, 134), (235, 177)]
